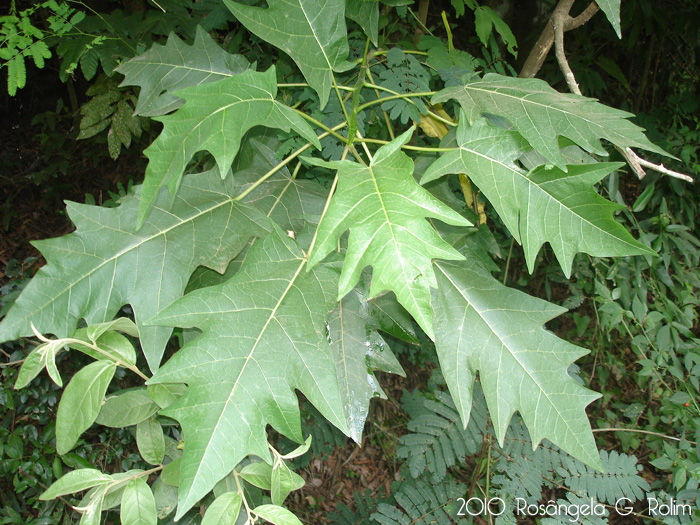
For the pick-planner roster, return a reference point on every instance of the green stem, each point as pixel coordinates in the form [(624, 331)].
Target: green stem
[(387, 120), (318, 123), (381, 52), (394, 97), (411, 148), (282, 164), (78, 342), (638, 431), (304, 84)]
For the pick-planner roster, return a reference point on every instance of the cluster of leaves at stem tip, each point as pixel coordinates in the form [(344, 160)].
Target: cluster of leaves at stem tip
[(285, 223)]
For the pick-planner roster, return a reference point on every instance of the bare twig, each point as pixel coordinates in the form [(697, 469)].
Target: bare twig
[(638, 431), (585, 16), (558, 21), (541, 49), (638, 164)]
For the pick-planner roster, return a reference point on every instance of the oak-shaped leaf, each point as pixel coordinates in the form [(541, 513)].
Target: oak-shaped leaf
[(174, 65), (214, 118), (545, 205), (91, 273), (541, 114), (263, 336), (484, 327), (312, 32), (385, 208)]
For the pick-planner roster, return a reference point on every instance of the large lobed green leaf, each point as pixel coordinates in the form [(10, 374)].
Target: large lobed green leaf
[(166, 68), (263, 336), (482, 326), (105, 264), (385, 209), (214, 118), (312, 32), (541, 115), (545, 205)]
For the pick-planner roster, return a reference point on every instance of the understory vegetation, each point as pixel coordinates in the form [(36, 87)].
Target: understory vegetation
[(349, 261)]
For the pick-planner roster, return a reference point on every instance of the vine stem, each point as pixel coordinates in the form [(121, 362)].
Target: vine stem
[(638, 431), (282, 164)]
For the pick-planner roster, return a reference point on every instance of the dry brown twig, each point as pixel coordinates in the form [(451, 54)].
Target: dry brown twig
[(553, 34)]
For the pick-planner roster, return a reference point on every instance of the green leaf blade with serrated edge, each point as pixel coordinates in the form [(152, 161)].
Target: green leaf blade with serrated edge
[(482, 326), (91, 273), (385, 209), (80, 403), (611, 8), (138, 506), (546, 205), (164, 69), (312, 32), (541, 115), (214, 118), (359, 350), (262, 337)]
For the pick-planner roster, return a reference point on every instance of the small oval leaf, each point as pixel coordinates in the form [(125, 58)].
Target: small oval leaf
[(224, 510), (138, 504), (277, 515), (75, 481), (150, 441), (81, 402), (126, 408)]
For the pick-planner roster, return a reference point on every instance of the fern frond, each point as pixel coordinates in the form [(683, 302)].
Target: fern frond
[(621, 478), (422, 503), (437, 438), (404, 74), (16, 74), (574, 503)]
